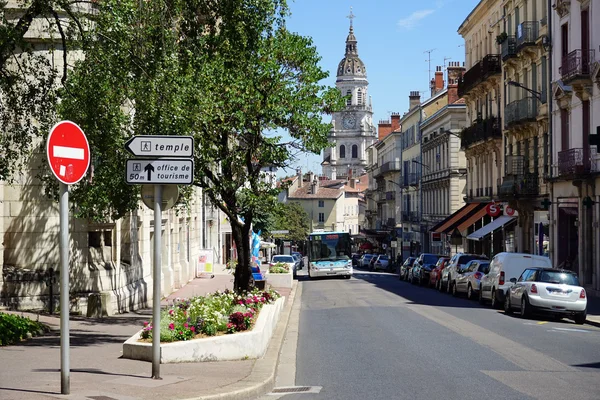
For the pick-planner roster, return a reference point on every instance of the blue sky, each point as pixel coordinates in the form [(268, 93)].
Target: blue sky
[(393, 37)]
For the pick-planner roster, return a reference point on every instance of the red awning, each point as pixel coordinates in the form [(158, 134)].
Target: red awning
[(366, 246)]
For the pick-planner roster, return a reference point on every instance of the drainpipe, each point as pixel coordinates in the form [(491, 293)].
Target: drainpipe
[(554, 228)]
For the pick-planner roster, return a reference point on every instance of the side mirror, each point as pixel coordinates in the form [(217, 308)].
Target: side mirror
[(513, 280)]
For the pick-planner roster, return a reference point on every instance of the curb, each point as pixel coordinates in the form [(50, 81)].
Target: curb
[(595, 322), (262, 377)]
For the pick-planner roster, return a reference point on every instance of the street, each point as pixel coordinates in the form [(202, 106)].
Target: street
[(375, 337)]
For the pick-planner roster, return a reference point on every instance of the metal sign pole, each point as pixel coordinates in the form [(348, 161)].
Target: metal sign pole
[(156, 294), (65, 379)]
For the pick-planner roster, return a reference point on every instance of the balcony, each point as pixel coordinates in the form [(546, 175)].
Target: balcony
[(520, 111), (488, 66), (413, 179), (509, 48), (390, 196), (527, 33), (574, 162), (390, 166), (380, 196), (414, 216), (519, 186), (481, 130), (514, 165), (391, 223), (576, 67), (376, 172), (406, 216)]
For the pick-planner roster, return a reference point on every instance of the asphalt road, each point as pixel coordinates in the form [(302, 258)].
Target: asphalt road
[(374, 337)]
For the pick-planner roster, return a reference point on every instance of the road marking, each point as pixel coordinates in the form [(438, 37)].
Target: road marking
[(74, 153), (522, 356), (569, 330), (542, 322)]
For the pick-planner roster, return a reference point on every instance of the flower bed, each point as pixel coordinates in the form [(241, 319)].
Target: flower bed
[(14, 329), (251, 338), (202, 316)]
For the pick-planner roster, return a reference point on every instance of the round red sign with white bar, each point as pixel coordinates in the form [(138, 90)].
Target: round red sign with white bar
[(68, 152)]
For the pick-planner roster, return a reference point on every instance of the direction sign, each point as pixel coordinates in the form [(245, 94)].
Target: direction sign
[(161, 146), (68, 152), (177, 171)]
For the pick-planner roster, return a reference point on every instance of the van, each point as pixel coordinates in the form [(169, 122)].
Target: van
[(503, 267)]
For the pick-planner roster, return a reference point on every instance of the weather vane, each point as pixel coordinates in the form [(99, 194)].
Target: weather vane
[(351, 17)]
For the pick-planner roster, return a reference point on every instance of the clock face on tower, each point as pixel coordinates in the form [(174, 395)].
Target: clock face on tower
[(349, 122)]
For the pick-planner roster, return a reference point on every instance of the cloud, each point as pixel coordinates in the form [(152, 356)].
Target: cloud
[(413, 19)]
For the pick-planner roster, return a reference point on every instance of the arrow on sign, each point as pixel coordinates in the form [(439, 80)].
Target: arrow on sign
[(150, 169), (161, 146)]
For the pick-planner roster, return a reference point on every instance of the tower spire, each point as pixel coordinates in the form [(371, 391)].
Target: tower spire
[(351, 16)]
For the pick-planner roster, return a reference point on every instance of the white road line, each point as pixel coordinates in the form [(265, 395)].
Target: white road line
[(569, 330), (75, 153)]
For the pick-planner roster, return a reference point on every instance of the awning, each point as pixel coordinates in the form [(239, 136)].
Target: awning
[(499, 222), (448, 225), (267, 245), (472, 219)]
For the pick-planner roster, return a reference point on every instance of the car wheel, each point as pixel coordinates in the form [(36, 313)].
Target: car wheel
[(448, 288), (469, 292), (481, 299), (507, 306), (580, 318), (454, 292), (525, 311), (494, 301)]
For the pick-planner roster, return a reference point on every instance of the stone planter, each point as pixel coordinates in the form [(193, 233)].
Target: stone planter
[(279, 280), (239, 346)]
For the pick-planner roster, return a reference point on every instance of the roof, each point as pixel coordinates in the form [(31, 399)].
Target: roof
[(323, 192)]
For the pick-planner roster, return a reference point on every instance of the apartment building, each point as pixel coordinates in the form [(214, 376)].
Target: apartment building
[(574, 202)]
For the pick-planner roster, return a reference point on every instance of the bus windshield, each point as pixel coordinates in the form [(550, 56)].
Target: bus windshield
[(329, 246)]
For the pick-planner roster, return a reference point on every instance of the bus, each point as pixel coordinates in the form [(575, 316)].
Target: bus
[(329, 254)]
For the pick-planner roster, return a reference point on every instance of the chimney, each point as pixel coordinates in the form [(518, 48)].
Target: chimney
[(455, 73), (384, 128), (299, 175), (353, 183), (439, 79), (414, 99), (395, 121), (314, 182)]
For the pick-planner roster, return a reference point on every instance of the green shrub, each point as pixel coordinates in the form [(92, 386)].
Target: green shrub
[(279, 268), (14, 328)]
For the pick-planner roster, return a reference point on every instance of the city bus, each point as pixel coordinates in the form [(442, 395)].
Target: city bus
[(329, 254)]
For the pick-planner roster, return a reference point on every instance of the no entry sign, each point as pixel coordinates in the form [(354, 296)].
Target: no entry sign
[(68, 152)]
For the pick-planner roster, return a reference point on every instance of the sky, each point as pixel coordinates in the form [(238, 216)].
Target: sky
[(396, 38)]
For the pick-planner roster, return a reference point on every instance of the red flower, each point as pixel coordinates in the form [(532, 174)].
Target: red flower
[(171, 326)]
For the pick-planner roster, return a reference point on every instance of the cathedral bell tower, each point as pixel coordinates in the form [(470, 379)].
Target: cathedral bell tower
[(353, 130)]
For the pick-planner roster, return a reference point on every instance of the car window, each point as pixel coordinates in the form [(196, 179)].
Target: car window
[(484, 267), (524, 275), (532, 276), (383, 257), (285, 259), (559, 277), (472, 266), (466, 258)]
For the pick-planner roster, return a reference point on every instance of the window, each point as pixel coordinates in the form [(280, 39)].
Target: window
[(525, 275), (359, 97), (354, 151), (321, 217), (321, 203), (544, 81), (349, 100), (342, 151)]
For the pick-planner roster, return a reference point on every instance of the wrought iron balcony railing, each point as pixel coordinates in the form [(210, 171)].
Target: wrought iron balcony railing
[(527, 33), (488, 66), (481, 130), (391, 166), (520, 111), (577, 65), (414, 216), (573, 162), (509, 48)]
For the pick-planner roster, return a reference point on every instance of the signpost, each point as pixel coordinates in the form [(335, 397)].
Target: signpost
[(68, 155), (168, 162)]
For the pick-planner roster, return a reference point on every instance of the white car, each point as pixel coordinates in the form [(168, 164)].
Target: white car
[(290, 261), (504, 267), (382, 262), (451, 271), (547, 290)]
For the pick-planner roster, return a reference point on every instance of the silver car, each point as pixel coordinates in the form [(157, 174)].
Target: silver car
[(547, 290), (469, 277)]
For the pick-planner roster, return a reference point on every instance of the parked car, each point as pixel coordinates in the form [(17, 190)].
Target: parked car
[(381, 262), (504, 267), (450, 272), (469, 277), (296, 253), (436, 273), (406, 267), (355, 259), (371, 265), (363, 262), (290, 261), (298, 260), (424, 264), (547, 290)]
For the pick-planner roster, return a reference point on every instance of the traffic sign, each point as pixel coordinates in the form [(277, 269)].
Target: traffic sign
[(161, 146), (68, 152), (169, 197), (162, 171), (493, 209)]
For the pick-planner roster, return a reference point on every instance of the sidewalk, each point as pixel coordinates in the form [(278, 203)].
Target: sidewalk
[(98, 372)]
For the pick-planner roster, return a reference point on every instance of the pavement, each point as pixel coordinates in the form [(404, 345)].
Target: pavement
[(97, 371)]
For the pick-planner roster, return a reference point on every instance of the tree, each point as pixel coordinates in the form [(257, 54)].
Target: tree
[(227, 72), (292, 217)]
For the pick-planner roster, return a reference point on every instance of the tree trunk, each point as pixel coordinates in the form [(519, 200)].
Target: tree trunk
[(241, 237)]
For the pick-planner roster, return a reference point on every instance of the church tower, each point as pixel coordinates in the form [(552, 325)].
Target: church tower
[(353, 130)]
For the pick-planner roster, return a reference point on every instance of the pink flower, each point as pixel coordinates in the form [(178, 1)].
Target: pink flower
[(145, 323), (193, 328), (181, 333), (171, 326), (185, 325), (229, 325), (171, 312)]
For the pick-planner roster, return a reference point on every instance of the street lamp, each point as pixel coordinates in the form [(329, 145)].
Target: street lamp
[(538, 95), (453, 132)]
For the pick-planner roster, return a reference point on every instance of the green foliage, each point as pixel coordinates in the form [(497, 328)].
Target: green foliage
[(14, 328), (292, 217), (279, 268)]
